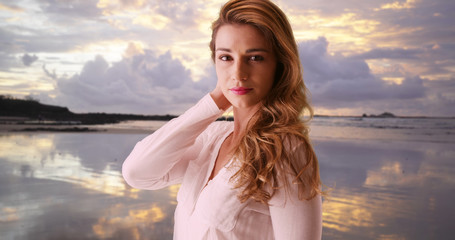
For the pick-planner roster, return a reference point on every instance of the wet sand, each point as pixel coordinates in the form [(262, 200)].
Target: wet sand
[(22, 128), (59, 186)]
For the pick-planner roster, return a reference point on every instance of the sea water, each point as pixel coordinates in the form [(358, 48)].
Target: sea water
[(386, 179)]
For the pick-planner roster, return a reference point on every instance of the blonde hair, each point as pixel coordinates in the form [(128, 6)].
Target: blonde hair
[(266, 151)]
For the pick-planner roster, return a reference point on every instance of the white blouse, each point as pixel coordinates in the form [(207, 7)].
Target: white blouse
[(184, 151)]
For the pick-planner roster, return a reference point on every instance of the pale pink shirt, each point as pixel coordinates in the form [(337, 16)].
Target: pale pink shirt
[(184, 151)]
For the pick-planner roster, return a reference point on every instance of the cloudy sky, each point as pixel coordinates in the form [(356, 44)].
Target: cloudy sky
[(152, 56)]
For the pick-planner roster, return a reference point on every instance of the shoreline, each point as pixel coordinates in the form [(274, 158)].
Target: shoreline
[(321, 132), (13, 128)]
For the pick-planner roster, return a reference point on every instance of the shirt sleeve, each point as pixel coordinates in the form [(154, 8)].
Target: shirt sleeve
[(293, 218), (161, 159)]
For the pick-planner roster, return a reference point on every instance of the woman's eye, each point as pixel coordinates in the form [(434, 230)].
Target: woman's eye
[(256, 58), (224, 58)]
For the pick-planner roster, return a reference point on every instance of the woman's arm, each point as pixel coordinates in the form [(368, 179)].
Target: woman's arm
[(297, 219), (293, 218), (160, 159)]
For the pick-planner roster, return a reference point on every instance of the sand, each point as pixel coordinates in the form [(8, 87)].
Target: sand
[(22, 128)]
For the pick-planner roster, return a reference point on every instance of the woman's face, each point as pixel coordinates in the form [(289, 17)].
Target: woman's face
[(245, 64)]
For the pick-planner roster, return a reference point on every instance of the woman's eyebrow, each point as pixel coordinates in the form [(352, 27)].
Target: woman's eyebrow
[(257, 50), (247, 51), (223, 50)]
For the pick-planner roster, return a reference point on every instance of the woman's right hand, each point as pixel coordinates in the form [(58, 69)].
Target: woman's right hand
[(221, 101)]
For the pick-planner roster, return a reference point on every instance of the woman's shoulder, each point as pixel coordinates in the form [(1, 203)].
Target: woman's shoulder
[(221, 126), (218, 128)]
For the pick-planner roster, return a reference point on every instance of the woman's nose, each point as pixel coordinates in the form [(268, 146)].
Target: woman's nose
[(240, 71)]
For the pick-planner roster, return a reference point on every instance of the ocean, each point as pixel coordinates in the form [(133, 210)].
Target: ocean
[(386, 178)]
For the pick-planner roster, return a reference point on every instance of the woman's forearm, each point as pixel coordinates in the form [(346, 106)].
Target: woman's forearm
[(162, 157)]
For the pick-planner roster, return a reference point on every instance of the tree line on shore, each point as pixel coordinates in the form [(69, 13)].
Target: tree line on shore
[(34, 110)]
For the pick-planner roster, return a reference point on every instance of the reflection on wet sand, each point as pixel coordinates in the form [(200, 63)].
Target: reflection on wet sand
[(69, 186), (8, 214), (63, 166), (348, 213), (383, 190), (135, 221)]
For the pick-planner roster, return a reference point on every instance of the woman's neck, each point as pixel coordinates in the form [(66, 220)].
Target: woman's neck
[(241, 118)]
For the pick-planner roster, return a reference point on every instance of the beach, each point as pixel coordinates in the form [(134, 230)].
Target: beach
[(15, 127), (386, 179)]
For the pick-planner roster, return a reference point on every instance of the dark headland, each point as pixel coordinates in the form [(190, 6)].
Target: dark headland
[(14, 111)]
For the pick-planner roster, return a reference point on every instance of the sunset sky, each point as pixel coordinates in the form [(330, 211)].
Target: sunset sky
[(152, 56)]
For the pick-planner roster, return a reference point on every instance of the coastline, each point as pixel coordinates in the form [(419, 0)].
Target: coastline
[(383, 173), (342, 129), (13, 128)]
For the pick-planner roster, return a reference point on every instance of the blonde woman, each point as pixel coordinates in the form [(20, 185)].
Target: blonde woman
[(258, 176)]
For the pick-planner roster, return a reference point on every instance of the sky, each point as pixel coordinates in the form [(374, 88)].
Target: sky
[(152, 56)]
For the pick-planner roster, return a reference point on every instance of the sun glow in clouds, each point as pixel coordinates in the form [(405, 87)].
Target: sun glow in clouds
[(399, 5), (66, 38)]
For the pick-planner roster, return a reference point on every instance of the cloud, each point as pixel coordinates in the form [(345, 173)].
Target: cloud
[(378, 58), (182, 13), (337, 81), (441, 98), (425, 22), (10, 7), (6, 62), (398, 5), (27, 60), (327, 8), (7, 43), (178, 15), (144, 83), (390, 53), (19, 39), (7, 48), (70, 10)]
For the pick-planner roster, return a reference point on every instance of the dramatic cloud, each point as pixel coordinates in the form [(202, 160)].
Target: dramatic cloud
[(6, 62), (395, 55), (156, 14), (27, 60), (7, 49), (150, 83), (347, 82), (70, 10), (181, 13), (144, 83), (390, 53)]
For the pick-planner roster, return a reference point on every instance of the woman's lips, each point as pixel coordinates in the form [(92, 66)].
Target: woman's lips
[(240, 90)]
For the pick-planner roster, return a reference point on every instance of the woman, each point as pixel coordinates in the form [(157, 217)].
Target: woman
[(256, 177)]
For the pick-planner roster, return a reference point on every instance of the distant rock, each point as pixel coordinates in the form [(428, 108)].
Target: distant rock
[(382, 115), (387, 115)]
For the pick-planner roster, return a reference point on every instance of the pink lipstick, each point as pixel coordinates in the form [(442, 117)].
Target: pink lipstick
[(240, 90)]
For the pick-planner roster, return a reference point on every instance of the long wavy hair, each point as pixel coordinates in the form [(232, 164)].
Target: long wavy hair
[(267, 149)]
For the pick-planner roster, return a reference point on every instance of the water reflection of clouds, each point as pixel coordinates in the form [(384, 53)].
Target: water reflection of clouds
[(134, 222), (22, 147), (391, 173), (367, 215), (173, 190), (436, 166), (58, 186), (386, 190), (343, 214), (64, 185), (78, 161), (8, 214)]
